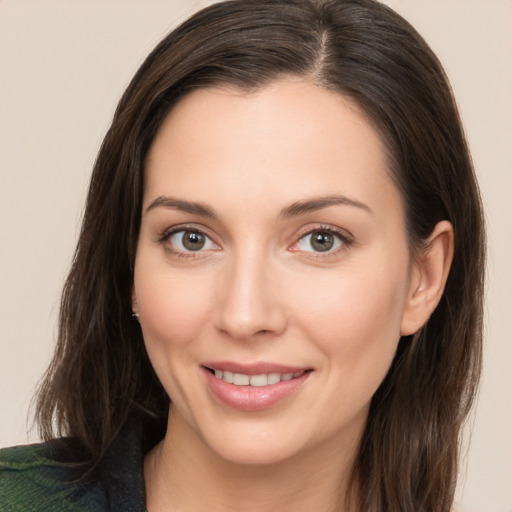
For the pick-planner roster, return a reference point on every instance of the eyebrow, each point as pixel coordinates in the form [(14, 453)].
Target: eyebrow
[(295, 209), (180, 204), (318, 203)]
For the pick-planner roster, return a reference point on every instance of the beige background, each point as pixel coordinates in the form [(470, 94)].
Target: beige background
[(64, 65)]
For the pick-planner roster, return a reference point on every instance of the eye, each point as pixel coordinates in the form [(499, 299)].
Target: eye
[(321, 240), (190, 240)]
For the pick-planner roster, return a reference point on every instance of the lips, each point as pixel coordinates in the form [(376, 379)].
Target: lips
[(264, 379), (253, 387)]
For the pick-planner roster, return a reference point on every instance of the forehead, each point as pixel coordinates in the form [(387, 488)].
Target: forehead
[(290, 139)]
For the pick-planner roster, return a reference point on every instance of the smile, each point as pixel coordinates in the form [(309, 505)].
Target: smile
[(265, 379), (253, 387)]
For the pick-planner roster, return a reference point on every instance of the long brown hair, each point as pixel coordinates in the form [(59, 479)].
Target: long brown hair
[(100, 376)]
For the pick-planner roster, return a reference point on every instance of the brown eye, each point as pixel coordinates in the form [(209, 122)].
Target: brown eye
[(190, 241), (193, 241), (320, 240)]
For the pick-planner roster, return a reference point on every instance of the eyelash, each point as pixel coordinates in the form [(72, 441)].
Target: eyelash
[(343, 237), (168, 233)]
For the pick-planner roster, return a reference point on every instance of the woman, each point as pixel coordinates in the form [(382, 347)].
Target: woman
[(286, 205)]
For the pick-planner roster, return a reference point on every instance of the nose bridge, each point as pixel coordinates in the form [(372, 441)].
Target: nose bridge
[(248, 304)]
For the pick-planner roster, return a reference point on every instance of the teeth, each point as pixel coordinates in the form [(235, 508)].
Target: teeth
[(273, 378), (265, 379), (258, 380), (239, 379)]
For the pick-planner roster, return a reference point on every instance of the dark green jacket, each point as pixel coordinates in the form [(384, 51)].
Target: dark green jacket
[(40, 477)]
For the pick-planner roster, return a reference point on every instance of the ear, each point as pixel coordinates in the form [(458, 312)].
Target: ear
[(134, 301), (429, 273)]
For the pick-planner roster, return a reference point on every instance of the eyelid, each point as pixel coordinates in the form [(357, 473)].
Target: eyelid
[(167, 233), (344, 236)]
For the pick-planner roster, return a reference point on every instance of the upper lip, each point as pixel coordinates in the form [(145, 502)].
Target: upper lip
[(258, 368)]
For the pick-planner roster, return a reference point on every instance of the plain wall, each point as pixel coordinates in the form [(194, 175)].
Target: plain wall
[(63, 67)]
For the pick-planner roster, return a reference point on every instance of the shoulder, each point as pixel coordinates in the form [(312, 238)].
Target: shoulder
[(39, 477), (46, 477)]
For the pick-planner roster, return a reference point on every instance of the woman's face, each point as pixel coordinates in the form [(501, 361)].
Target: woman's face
[(272, 253)]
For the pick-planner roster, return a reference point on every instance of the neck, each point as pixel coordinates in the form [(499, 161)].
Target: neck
[(183, 474)]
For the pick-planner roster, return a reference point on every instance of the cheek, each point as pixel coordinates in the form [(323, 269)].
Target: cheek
[(355, 319), (353, 303), (172, 307)]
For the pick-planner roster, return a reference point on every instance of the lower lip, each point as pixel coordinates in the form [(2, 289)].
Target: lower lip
[(253, 398)]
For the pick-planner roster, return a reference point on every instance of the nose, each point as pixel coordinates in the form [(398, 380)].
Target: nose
[(250, 303)]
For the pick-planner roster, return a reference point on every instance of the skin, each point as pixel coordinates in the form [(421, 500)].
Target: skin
[(258, 291)]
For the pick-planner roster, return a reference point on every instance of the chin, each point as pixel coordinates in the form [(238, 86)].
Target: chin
[(255, 454), (254, 444)]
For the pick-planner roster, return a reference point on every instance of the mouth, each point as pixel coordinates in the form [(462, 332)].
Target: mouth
[(258, 380), (254, 387)]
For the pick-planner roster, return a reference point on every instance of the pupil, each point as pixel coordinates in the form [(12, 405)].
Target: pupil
[(193, 241), (322, 242)]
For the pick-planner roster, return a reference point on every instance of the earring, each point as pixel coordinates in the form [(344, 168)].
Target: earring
[(136, 316)]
